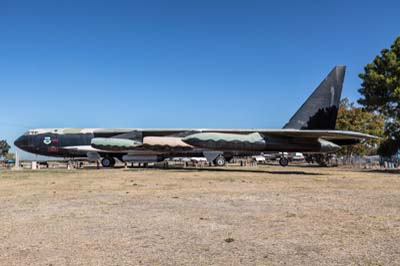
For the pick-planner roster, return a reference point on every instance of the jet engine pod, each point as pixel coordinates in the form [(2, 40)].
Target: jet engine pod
[(225, 141), (114, 144), (327, 146)]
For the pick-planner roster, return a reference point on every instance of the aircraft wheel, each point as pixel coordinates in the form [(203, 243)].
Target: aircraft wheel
[(107, 162), (284, 161), (220, 161)]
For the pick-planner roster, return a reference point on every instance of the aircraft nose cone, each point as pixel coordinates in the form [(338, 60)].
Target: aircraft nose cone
[(21, 142)]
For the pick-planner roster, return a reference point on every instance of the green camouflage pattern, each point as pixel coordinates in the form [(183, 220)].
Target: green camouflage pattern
[(217, 137), (114, 143)]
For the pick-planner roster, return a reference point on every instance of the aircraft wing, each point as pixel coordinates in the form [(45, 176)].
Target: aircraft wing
[(323, 134), (243, 134), (280, 139)]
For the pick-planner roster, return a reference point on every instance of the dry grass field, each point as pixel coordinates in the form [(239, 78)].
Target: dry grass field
[(238, 216)]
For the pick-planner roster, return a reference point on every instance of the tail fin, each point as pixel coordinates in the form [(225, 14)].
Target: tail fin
[(320, 110)]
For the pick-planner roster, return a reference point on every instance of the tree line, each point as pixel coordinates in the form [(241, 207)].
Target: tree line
[(4, 149), (379, 113)]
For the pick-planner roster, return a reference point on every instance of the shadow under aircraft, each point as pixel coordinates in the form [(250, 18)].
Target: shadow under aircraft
[(310, 130)]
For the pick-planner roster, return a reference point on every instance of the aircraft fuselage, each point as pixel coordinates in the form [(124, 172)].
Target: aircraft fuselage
[(61, 143)]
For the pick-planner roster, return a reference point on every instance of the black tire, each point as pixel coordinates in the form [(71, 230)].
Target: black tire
[(220, 161), (284, 161), (108, 162)]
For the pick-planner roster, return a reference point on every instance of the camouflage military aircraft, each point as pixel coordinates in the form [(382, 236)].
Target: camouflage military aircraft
[(310, 130)]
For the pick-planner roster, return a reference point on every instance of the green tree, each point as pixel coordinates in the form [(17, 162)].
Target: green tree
[(10, 156), (4, 148), (357, 119), (380, 90), (387, 148)]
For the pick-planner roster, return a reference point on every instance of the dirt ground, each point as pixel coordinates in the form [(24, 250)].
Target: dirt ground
[(236, 216)]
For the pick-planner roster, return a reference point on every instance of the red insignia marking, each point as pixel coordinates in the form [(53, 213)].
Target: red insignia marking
[(53, 149)]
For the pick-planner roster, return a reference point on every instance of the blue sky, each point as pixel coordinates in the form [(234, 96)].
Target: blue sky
[(208, 64)]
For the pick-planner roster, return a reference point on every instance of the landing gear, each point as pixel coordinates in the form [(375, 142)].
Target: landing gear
[(107, 162), (220, 161), (283, 161), (322, 160)]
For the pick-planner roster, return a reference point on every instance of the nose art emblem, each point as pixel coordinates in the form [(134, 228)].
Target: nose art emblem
[(47, 140)]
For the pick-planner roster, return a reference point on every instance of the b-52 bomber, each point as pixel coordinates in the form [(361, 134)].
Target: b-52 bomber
[(310, 130)]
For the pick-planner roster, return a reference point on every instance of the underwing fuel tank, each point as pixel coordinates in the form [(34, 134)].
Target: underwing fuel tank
[(328, 147), (114, 144), (225, 141)]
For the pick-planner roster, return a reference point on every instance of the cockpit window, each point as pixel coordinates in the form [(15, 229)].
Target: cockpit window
[(31, 132)]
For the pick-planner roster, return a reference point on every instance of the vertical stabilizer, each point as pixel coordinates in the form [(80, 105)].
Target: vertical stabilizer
[(320, 110)]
